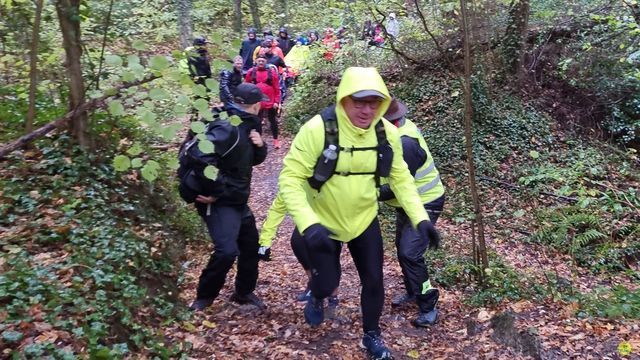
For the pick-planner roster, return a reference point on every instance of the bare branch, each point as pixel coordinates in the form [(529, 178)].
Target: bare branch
[(426, 28), (100, 102)]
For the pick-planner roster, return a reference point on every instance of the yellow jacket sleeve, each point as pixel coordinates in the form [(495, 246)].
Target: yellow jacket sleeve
[(297, 167), (401, 182), (275, 215)]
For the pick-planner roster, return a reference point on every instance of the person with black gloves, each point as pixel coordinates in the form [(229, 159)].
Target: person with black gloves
[(410, 243), (223, 201), (284, 42), (247, 49), (329, 183), (229, 81), (275, 216)]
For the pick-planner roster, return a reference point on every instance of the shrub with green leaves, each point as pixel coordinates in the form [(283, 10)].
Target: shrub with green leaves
[(618, 302), (88, 255)]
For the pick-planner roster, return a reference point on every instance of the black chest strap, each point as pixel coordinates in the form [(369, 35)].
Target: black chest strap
[(325, 168)]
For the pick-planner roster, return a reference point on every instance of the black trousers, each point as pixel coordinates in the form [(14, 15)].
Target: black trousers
[(234, 235), (411, 249), (366, 251), (300, 249), (271, 114)]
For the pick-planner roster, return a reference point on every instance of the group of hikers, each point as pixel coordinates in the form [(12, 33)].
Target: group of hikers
[(361, 150), (271, 62)]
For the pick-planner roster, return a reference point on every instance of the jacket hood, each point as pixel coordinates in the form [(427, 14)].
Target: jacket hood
[(357, 79)]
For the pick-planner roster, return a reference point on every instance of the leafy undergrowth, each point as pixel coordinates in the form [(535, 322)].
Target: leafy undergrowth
[(14, 104), (89, 258)]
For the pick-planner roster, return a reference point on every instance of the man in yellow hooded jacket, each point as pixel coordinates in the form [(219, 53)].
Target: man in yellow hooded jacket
[(344, 207)]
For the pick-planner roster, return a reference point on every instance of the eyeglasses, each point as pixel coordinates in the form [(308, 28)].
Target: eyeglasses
[(359, 103)]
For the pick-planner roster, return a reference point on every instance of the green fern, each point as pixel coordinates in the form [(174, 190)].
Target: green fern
[(570, 231), (582, 240)]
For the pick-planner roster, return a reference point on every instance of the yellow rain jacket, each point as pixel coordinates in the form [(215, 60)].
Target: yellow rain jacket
[(297, 57), (346, 205), (275, 215)]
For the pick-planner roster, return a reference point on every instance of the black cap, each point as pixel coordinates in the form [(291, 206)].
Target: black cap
[(251, 30), (199, 41), (248, 94)]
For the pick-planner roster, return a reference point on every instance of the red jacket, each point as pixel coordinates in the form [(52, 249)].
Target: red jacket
[(271, 90)]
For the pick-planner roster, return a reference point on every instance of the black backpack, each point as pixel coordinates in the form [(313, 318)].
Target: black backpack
[(192, 181), (384, 159)]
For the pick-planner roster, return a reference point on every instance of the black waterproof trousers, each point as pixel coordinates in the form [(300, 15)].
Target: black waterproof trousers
[(300, 249), (411, 249), (272, 116), (234, 235), (366, 252)]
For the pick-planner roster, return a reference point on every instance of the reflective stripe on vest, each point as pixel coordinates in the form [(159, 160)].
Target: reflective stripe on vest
[(422, 173), (427, 177), (426, 187)]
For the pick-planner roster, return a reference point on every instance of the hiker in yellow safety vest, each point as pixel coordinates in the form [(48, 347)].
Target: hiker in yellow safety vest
[(411, 247)]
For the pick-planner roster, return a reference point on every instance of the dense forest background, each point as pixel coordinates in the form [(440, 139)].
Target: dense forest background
[(531, 109)]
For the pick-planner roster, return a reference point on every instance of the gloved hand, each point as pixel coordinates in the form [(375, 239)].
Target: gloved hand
[(428, 232), (264, 253), (317, 238)]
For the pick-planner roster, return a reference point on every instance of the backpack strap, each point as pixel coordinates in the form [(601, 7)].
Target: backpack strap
[(254, 76), (381, 136), (322, 174), (270, 74)]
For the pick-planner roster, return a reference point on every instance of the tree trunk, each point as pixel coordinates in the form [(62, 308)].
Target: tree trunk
[(33, 67), (514, 35), (468, 116), (255, 14), (69, 18), (185, 29), (283, 9), (237, 16)]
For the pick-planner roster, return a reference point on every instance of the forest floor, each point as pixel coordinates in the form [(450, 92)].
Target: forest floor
[(547, 329)]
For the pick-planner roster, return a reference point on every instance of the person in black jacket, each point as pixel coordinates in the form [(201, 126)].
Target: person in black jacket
[(198, 61), (273, 59), (223, 206), (284, 43), (248, 47), (229, 81)]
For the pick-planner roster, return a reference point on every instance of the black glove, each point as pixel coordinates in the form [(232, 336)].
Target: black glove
[(317, 238), (386, 193), (429, 233), (264, 253)]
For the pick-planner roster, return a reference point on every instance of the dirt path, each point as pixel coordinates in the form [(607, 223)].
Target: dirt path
[(228, 331)]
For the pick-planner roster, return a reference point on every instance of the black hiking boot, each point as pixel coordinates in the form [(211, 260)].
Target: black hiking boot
[(372, 342), (304, 296), (200, 304), (402, 300), (428, 313), (426, 319), (314, 311), (249, 299), (332, 305)]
